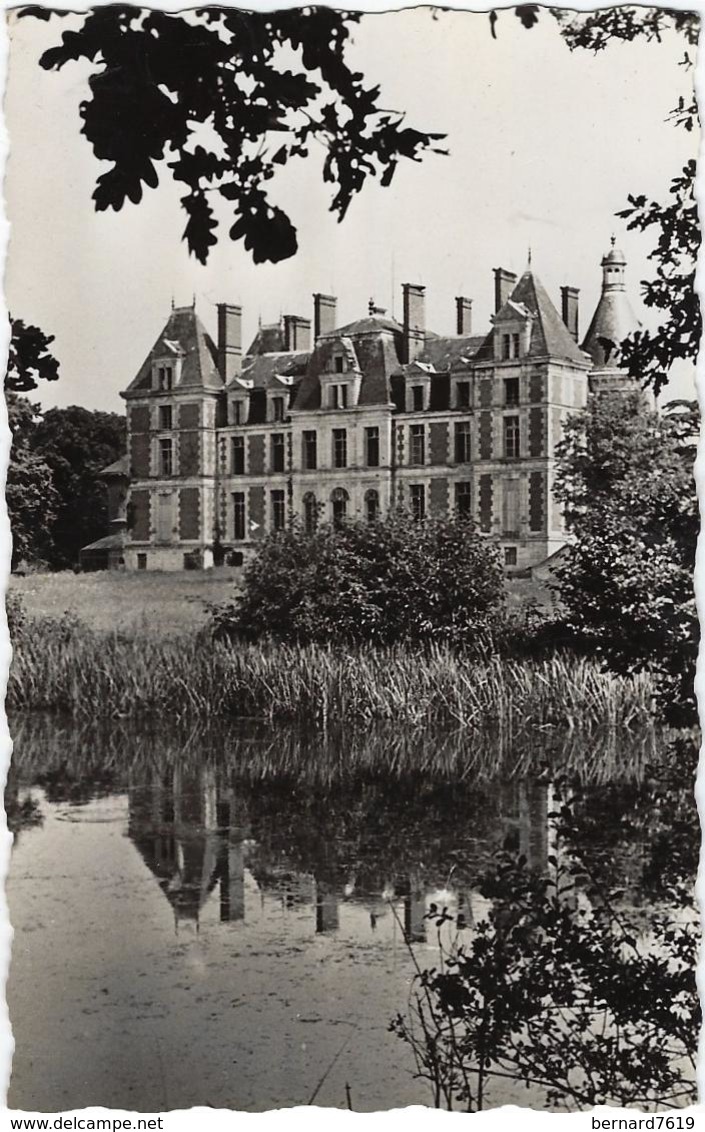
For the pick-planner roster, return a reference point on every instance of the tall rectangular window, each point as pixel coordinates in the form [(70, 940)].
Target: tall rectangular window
[(236, 412), (418, 501), (506, 347), (463, 395), (166, 457), (165, 377), (510, 508), (340, 448), (339, 396), (372, 447), (238, 453), (511, 438), (278, 408), (462, 442), (278, 510), (339, 363), (309, 445), (417, 445), (417, 392), (515, 345), (278, 451), (463, 499), (165, 416), (511, 391), (239, 531)]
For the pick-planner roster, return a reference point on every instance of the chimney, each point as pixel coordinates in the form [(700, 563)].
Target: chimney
[(569, 309), (463, 316), (297, 333), (324, 314), (414, 320), (504, 282), (229, 341)]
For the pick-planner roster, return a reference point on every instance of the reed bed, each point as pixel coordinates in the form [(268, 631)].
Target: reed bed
[(88, 675)]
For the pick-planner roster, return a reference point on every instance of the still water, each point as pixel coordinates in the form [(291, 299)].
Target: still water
[(219, 919)]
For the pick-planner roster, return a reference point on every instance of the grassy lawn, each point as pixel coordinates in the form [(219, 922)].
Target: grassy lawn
[(149, 603)]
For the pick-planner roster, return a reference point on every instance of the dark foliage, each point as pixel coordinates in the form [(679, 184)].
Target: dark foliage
[(30, 494), (75, 444), (222, 98), (626, 482), (383, 583), (29, 359)]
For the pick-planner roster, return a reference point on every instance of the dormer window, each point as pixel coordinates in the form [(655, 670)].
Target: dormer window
[(511, 347), (339, 396), (463, 394), (278, 408), (417, 398), (237, 412), (165, 378), (339, 363)]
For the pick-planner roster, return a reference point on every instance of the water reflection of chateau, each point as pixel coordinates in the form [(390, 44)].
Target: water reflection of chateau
[(194, 832)]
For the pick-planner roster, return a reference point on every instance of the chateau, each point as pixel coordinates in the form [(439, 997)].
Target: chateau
[(329, 423)]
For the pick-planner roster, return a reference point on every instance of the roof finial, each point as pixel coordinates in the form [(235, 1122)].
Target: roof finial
[(613, 240), (172, 301), (193, 304), (529, 261)]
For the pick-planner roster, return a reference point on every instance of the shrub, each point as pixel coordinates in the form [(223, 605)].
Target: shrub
[(388, 582)]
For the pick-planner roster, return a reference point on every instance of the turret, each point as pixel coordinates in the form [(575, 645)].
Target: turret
[(613, 321)]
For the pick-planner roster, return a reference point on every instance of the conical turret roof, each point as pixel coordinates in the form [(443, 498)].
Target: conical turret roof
[(614, 319)]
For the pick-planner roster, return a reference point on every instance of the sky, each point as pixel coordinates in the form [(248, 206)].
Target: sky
[(545, 147)]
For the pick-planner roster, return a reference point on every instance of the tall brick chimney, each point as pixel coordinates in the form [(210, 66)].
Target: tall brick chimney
[(324, 314), (414, 320), (463, 316), (569, 309), (504, 283), (229, 341), (297, 333)]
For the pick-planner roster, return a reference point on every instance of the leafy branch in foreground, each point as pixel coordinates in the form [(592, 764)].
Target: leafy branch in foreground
[(556, 994), (224, 98)]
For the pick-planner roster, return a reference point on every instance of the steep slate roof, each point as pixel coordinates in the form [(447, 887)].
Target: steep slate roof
[(441, 352), (184, 335), (613, 321), (120, 467), (263, 369), (375, 344), (549, 334), (268, 340)]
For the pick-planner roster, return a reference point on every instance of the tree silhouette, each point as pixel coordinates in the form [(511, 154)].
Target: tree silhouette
[(222, 99), (30, 359)]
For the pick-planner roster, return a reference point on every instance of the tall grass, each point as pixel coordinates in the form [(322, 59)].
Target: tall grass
[(89, 675)]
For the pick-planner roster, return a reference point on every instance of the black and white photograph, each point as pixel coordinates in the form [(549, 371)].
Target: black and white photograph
[(352, 424)]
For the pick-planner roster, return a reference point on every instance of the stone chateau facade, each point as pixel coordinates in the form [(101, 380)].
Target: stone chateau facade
[(327, 423)]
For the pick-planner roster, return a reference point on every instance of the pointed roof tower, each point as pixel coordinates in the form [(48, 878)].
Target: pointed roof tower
[(184, 337), (550, 336), (614, 320)]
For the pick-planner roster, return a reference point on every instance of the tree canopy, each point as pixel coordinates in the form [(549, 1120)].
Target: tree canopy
[(29, 358), (220, 99)]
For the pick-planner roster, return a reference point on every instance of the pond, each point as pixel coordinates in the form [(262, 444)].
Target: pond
[(224, 917)]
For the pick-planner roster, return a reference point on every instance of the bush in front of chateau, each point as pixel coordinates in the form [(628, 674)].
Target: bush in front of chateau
[(393, 581)]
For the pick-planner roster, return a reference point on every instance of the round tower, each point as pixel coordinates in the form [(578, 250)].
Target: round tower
[(613, 321)]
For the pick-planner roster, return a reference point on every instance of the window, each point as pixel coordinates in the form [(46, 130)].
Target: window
[(506, 347), (236, 412), (463, 499), (165, 378), (340, 448), (339, 504), (239, 531), (462, 442), (463, 395), (238, 453), (417, 392), (141, 561), (515, 346), (277, 451), (278, 408), (510, 556), (278, 510), (372, 505), (511, 438), (372, 447), (417, 444), (339, 396), (339, 363), (309, 453), (165, 416), (418, 501), (310, 512), (511, 391), (510, 508), (166, 457)]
